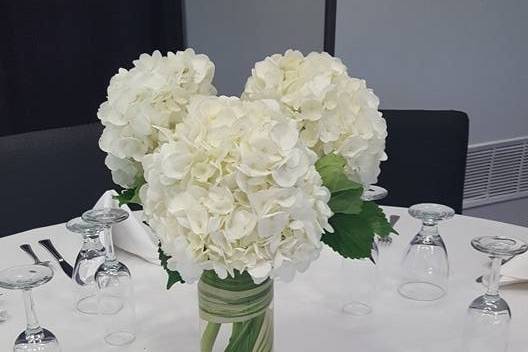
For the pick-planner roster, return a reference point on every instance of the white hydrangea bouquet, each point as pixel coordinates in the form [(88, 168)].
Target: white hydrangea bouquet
[(244, 190)]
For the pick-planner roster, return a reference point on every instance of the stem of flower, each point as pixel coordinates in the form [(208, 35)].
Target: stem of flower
[(209, 336)]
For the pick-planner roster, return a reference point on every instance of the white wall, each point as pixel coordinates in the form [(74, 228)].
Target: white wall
[(469, 55), (513, 212), (237, 33), (451, 54)]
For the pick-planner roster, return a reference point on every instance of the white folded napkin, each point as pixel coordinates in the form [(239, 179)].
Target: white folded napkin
[(515, 271), (131, 235)]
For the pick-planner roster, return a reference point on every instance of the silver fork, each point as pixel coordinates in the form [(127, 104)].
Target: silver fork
[(387, 240)]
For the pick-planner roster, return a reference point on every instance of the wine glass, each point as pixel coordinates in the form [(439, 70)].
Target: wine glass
[(25, 278), (89, 259), (487, 324), (425, 264), (371, 194), (374, 193), (116, 293), (359, 280), (359, 276)]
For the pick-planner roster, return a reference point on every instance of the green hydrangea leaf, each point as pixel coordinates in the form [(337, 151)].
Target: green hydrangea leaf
[(173, 276), (346, 202), (131, 195), (354, 233), (127, 196), (377, 219), (331, 167), (352, 237)]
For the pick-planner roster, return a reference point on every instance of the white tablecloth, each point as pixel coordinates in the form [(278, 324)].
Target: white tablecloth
[(307, 316)]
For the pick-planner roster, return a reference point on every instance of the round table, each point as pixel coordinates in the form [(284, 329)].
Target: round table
[(307, 315)]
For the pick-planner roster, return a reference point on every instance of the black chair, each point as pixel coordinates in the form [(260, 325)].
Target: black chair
[(53, 175), (427, 157), (50, 176)]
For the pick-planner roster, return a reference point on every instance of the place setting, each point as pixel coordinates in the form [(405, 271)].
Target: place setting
[(102, 286)]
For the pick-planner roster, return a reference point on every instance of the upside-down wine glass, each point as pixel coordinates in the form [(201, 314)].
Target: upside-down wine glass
[(25, 278), (359, 281), (372, 194), (89, 259), (425, 266), (489, 316), (359, 276), (116, 293)]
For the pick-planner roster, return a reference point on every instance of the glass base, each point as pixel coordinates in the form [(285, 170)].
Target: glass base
[(357, 308), (120, 338), (87, 305), (44, 341), (421, 291)]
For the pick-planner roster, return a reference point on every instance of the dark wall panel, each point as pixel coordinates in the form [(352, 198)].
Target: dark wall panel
[(57, 56)]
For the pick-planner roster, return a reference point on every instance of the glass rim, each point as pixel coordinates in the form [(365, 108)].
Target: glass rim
[(431, 212), (105, 216), (501, 246), (78, 225), (373, 193)]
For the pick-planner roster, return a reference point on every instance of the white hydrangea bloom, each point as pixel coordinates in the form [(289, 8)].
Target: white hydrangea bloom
[(336, 113), (124, 171), (236, 189), (145, 102)]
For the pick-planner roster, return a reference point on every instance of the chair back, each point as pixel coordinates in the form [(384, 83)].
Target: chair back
[(427, 157), (50, 176)]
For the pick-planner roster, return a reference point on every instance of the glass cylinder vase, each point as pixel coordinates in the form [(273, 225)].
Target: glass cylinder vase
[(236, 315)]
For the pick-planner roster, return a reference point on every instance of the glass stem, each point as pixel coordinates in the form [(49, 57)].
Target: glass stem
[(33, 326), (494, 277), (429, 230), (109, 244)]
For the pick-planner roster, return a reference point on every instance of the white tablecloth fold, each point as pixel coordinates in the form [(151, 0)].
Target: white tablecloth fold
[(515, 271), (131, 235)]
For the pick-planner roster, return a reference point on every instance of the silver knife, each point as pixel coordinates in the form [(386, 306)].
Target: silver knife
[(67, 268), (393, 219)]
